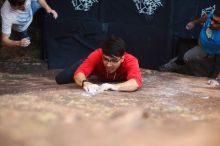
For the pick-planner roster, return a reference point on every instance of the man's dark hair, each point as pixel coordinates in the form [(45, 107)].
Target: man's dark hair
[(217, 12), (114, 46), (17, 2)]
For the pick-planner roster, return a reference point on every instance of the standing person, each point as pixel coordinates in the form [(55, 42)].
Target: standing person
[(111, 63), (208, 44), (17, 15)]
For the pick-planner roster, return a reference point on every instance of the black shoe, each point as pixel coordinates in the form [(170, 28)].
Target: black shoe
[(171, 66)]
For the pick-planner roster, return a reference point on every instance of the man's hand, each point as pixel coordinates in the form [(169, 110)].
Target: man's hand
[(213, 83), (107, 86), (24, 42), (53, 12), (190, 25), (91, 88)]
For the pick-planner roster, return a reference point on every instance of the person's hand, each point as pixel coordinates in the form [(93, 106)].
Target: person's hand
[(213, 83), (91, 88), (190, 25), (106, 86), (24, 42), (53, 12)]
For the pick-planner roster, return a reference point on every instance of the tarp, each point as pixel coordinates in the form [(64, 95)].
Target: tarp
[(148, 27)]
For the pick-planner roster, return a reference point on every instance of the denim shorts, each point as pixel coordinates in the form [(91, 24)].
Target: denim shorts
[(35, 6)]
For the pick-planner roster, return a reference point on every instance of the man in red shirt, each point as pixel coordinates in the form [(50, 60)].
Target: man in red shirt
[(110, 64)]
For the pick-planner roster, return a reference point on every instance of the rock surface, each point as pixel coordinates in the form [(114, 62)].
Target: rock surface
[(170, 110)]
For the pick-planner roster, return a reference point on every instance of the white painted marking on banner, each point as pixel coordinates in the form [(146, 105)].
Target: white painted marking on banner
[(148, 7), (83, 5)]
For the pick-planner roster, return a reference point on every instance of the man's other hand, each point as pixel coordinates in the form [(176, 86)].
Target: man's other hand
[(24, 42), (190, 25), (91, 88), (213, 83), (106, 86), (53, 12)]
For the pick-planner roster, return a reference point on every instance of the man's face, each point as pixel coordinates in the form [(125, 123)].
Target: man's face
[(215, 22), (112, 63)]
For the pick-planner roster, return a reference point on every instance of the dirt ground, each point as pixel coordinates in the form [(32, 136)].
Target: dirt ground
[(170, 110)]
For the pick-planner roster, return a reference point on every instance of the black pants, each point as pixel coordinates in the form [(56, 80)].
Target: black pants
[(66, 76), (19, 35)]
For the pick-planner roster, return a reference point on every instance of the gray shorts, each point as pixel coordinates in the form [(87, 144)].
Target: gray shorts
[(195, 54)]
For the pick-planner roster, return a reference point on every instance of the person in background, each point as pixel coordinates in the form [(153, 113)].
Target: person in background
[(208, 44), (112, 65), (17, 15)]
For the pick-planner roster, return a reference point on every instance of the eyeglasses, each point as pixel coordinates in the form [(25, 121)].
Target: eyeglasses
[(114, 61), (215, 21)]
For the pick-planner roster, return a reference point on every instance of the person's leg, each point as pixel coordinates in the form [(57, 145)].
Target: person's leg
[(35, 6), (66, 76), (19, 35), (23, 34), (194, 54), (170, 66)]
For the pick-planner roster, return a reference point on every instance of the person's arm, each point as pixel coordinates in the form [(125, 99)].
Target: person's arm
[(81, 81), (134, 79), (197, 21), (6, 41), (6, 31), (218, 76), (130, 85), (215, 82), (87, 67), (79, 78), (48, 9)]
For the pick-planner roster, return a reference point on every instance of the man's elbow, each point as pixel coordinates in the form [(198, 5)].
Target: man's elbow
[(5, 41), (74, 78), (134, 89), (136, 86)]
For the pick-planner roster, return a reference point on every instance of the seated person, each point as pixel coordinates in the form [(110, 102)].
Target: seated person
[(209, 44), (111, 63), (17, 15)]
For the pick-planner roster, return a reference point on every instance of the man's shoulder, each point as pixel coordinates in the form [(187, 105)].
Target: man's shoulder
[(129, 60), (95, 55), (97, 52), (6, 5), (129, 56), (6, 10)]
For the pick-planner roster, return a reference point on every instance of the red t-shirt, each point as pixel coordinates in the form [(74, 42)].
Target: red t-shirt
[(93, 65)]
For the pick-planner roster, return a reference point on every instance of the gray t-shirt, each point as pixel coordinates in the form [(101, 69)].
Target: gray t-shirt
[(16, 19)]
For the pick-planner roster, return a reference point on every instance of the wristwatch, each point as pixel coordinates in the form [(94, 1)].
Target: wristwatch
[(84, 82), (217, 79)]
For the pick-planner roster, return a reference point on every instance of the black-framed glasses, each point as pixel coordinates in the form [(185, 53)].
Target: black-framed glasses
[(215, 21), (113, 60)]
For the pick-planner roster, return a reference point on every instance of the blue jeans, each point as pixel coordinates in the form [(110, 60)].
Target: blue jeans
[(35, 6)]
